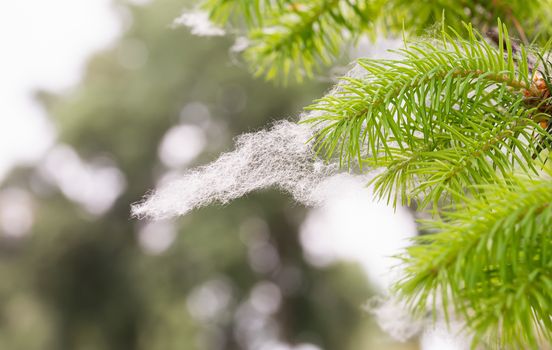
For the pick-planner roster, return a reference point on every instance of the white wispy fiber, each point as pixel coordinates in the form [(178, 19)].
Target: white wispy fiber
[(278, 157), (199, 23)]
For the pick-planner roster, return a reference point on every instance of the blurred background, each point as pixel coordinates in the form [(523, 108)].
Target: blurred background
[(102, 100)]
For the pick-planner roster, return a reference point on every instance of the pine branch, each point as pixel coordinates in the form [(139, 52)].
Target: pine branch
[(306, 37), (444, 117), (481, 148), (482, 14), (491, 262), (248, 12), (298, 38)]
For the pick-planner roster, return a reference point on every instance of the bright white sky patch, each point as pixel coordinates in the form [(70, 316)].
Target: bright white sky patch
[(442, 339), (44, 45), (266, 297), (351, 226), (209, 300), (157, 236), (94, 186), (16, 212), (182, 144)]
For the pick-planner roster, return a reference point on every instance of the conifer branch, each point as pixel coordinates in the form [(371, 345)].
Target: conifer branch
[(491, 262), (298, 38), (303, 37), (445, 117)]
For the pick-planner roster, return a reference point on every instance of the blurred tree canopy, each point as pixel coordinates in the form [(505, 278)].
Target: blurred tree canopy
[(232, 279)]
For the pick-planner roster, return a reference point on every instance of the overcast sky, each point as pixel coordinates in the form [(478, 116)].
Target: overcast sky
[(43, 45)]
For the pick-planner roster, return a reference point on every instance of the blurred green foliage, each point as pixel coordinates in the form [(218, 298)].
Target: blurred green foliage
[(298, 39), (82, 281)]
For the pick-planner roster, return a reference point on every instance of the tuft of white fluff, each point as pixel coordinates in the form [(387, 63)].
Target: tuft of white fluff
[(280, 156), (199, 23)]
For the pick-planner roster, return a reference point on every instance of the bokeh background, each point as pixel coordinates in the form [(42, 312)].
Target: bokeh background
[(102, 100)]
